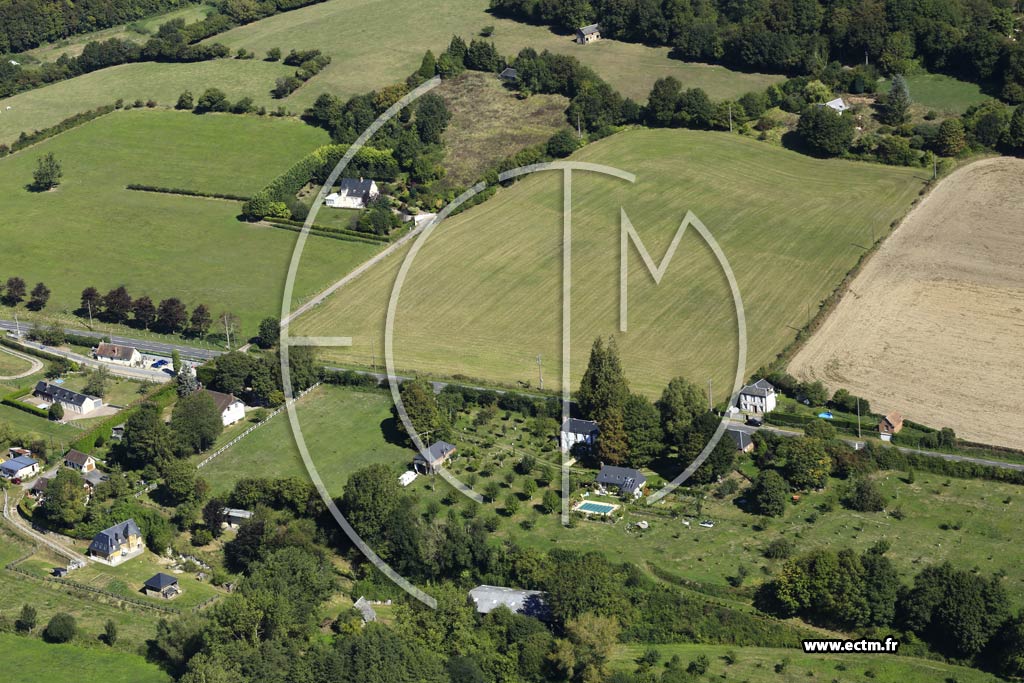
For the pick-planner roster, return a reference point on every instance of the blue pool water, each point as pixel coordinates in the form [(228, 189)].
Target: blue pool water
[(596, 508)]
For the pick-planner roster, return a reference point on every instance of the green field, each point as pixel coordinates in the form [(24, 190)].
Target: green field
[(138, 31), (360, 36), (92, 231), (343, 430), (483, 298), (12, 365), (163, 83), (758, 665), (943, 94), (28, 660), (353, 31)]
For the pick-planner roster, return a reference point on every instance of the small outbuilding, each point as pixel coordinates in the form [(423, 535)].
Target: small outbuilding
[(588, 34), (509, 75), (408, 477), (529, 603), (744, 442), (162, 585), (22, 467), (576, 431), (235, 517), (365, 609), (434, 458), (838, 105)]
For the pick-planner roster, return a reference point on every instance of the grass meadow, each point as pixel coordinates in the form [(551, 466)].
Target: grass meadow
[(943, 94), (772, 665), (12, 365), (483, 298), (344, 430), (27, 660), (93, 231), (372, 42)]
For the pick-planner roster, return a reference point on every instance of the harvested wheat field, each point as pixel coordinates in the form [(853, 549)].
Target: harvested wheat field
[(934, 324)]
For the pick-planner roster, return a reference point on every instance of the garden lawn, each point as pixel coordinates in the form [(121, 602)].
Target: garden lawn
[(28, 660), (943, 94), (483, 297), (26, 423), (344, 430), (11, 364), (758, 665), (93, 231)]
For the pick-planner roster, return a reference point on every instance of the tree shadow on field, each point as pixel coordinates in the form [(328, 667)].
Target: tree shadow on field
[(391, 433)]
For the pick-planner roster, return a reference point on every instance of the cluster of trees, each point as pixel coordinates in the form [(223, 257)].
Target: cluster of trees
[(635, 431), (169, 316), (256, 379), (13, 292), (26, 25), (309, 63), (173, 42), (971, 40), (960, 613)]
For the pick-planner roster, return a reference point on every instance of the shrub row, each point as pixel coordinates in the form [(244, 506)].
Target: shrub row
[(26, 139), (789, 420), (346, 236), (188, 193), (11, 400), (341, 231), (38, 353), (895, 459)]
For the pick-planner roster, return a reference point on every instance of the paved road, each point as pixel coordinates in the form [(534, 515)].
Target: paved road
[(144, 374), (14, 520), (157, 348), (931, 454), (35, 363)]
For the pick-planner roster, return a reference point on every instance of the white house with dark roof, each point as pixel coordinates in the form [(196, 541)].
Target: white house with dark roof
[(628, 481), (588, 34), (22, 467), (434, 458), (576, 431), (758, 397), (231, 409), (118, 543), (79, 461), (489, 598), (70, 401), (353, 193), (118, 355)]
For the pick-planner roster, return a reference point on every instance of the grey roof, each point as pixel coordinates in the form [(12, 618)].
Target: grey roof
[(577, 426), (115, 351), (591, 28), (488, 598), (41, 484), (357, 187), (626, 478), (222, 401), (160, 581), (438, 451), (740, 437), (62, 395), (109, 540), (237, 513), (15, 464), (761, 387), (365, 609), (509, 74)]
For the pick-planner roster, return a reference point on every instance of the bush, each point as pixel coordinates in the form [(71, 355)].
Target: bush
[(61, 629), (201, 537)]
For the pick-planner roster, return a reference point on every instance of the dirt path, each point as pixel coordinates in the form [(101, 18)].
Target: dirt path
[(933, 326), (36, 364)]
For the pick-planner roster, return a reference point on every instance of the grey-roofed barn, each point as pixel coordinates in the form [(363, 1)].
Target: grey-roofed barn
[(71, 400), (742, 439)]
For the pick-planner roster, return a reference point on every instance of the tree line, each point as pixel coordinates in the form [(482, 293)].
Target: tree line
[(14, 290), (971, 40), (169, 316)]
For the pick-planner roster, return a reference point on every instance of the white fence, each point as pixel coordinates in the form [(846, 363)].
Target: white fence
[(248, 431)]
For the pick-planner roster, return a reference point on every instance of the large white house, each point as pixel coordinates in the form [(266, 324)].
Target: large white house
[(71, 401), (118, 355), (353, 193), (758, 397), (576, 431), (231, 409)]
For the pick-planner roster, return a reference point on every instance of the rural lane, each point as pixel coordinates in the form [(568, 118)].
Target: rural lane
[(142, 374), (35, 365), (13, 520)]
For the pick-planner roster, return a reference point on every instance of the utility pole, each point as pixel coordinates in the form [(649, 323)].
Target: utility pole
[(710, 402), (227, 331), (540, 371), (373, 355), (730, 117), (858, 417), (17, 327), (89, 305)]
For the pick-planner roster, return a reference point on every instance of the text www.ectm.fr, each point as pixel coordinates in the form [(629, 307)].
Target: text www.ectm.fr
[(889, 645)]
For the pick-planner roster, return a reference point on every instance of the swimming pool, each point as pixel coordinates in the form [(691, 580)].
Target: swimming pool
[(595, 508)]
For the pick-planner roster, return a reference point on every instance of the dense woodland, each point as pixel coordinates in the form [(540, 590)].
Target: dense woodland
[(976, 41)]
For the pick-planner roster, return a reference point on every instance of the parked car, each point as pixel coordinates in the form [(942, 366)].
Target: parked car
[(159, 363), (16, 480), (754, 422)]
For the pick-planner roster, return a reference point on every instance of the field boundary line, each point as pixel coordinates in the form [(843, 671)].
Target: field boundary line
[(35, 364), (208, 459)]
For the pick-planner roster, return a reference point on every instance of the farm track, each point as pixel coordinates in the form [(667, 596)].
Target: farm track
[(35, 364)]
